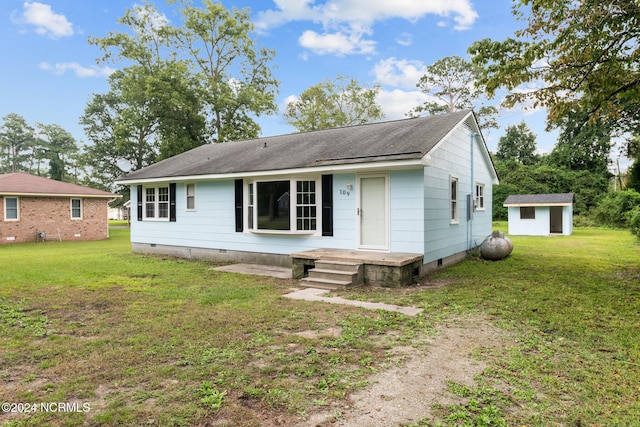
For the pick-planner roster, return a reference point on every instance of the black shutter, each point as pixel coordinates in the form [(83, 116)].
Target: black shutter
[(238, 205), (139, 188), (327, 205), (172, 202)]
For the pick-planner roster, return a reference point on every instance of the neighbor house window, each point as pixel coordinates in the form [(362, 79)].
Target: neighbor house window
[(287, 205), (454, 199), (76, 208), (191, 197), (156, 203), (480, 196), (11, 209), (528, 212)]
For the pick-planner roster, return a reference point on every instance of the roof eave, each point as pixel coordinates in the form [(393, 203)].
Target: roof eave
[(414, 163), (86, 196)]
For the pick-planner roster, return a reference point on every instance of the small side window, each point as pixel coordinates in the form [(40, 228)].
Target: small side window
[(11, 209), (76, 208), (191, 197)]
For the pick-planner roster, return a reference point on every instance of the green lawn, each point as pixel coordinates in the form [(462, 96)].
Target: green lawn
[(159, 341)]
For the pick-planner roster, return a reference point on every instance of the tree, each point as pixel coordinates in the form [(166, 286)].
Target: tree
[(334, 103), (519, 144), (453, 82), (16, 140), (58, 146), (582, 145), (235, 76), (122, 128), (575, 56)]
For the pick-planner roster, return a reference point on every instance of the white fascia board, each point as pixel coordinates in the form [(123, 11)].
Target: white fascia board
[(345, 168), (532, 205)]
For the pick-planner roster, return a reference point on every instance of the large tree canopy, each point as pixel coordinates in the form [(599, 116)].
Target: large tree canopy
[(453, 85), (204, 80), (334, 103), (573, 57)]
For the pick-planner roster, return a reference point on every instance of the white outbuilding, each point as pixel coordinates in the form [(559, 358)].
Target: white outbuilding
[(540, 214)]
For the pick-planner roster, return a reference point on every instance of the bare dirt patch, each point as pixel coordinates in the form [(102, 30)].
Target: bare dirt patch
[(405, 394)]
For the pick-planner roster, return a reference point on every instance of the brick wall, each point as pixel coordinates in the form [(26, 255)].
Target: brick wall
[(52, 215)]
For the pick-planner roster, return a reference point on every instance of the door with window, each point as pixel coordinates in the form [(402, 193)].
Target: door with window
[(373, 212)]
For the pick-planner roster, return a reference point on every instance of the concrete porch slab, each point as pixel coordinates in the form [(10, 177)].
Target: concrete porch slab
[(392, 259), (258, 270)]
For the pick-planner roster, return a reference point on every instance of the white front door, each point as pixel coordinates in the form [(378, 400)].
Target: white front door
[(373, 212)]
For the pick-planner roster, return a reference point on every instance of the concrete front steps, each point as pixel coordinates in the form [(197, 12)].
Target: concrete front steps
[(333, 275)]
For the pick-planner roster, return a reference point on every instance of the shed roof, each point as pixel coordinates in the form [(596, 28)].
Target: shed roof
[(405, 139), (558, 199), (24, 184)]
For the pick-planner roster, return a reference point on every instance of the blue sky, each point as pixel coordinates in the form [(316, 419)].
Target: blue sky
[(50, 71)]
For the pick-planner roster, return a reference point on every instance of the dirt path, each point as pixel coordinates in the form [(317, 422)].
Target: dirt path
[(404, 395)]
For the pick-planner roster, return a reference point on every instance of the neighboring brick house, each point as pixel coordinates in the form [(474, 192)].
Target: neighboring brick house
[(36, 208)]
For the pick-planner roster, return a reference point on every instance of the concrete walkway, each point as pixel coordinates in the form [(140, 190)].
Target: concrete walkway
[(313, 294)]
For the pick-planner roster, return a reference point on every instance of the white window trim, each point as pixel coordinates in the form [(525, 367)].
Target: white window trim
[(4, 203), (156, 204), (186, 197), (292, 207), (479, 206), (71, 209), (456, 219)]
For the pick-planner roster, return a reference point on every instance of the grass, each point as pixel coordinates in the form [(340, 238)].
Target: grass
[(162, 341)]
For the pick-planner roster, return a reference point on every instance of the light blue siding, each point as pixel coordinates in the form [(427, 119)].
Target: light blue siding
[(406, 215), (212, 224), (419, 210), (453, 159)]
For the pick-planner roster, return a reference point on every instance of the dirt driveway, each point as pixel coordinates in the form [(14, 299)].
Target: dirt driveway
[(404, 394)]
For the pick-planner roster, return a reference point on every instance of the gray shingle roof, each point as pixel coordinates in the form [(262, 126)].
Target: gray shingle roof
[(539, 199), (393, 140)]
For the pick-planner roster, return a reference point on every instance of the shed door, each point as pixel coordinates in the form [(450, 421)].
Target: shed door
[(555, 225), (373, 212)]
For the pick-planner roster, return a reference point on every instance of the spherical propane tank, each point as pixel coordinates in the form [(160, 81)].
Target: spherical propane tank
[(496, 247)]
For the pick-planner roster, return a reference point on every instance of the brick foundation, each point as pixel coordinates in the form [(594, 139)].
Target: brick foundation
[(52, 215)]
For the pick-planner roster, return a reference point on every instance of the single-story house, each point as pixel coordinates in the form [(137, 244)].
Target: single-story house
[(420, 187), (540, 214), (36, 208)]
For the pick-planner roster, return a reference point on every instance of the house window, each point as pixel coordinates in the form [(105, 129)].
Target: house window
[(11, 209), (156, 204), (288, 205), (191, 197), (250, 208), (76, 208), (454, 199), (528, 212), (306, 205), (273, 205), (480, 196)]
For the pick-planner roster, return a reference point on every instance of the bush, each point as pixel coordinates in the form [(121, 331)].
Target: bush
[(633, 218), (614, 209)]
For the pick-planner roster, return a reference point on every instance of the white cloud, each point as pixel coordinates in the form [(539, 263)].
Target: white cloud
[(46, 21), (396, 103), (399, 72), (80, 71), (366, 11), (405, 39), (345, 22), (337, 43)]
